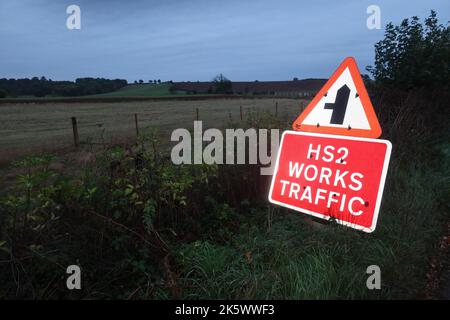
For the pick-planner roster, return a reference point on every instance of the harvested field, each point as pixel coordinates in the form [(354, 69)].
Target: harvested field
[(34, 128)]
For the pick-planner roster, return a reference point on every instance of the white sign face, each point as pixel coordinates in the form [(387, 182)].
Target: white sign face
[(341, 107), (342, 94)]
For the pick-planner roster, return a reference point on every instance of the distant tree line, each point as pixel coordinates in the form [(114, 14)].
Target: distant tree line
[(41, 87), (140, 81)]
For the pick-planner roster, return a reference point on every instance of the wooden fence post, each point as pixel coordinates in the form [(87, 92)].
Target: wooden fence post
[(136, 124), (276, 109), (76, 139), (196, 109), (240, 107)]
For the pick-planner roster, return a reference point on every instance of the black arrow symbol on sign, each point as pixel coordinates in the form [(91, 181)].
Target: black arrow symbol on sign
[(339, 106)]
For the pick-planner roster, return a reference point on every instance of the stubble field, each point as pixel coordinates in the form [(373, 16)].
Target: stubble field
[(34, 128)]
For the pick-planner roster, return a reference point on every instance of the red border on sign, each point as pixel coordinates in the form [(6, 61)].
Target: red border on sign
[(375, 129), (320, 215)]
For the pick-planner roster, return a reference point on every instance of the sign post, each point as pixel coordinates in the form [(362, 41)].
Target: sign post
[(331, 167)]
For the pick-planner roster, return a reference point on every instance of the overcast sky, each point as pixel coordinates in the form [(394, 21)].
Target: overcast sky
[(194, 40)]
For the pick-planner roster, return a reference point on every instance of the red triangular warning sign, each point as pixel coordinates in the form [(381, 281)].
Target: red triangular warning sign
[(341, 107)]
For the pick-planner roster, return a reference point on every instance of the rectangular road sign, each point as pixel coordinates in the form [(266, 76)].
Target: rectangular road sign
[(331, 177)]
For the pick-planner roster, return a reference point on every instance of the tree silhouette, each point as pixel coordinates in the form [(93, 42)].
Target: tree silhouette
[(413, 55), (222, 84)]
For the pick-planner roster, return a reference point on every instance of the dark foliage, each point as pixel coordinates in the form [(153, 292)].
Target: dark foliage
[(413, 55)]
